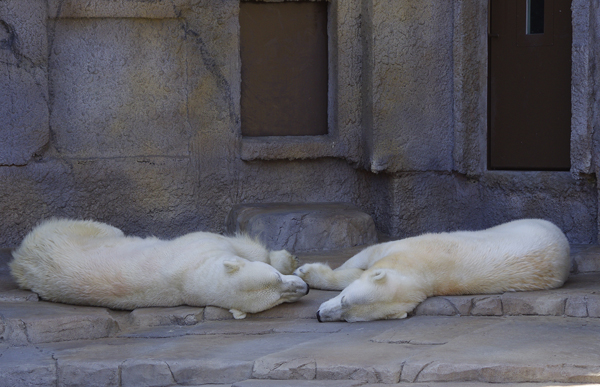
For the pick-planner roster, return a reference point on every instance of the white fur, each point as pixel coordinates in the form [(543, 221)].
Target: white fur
[(389, 280), (91, 263)]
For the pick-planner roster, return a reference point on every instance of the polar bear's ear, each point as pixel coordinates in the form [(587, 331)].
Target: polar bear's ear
[(378, 275), (231, 266)]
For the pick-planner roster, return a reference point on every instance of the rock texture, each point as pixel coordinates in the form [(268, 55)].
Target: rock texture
[(304, 227), (128, 112)]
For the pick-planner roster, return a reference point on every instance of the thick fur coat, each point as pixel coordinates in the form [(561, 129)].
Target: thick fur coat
[(92, 263), (388, 280)]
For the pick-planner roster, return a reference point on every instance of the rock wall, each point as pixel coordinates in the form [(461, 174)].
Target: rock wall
[(127, 111)]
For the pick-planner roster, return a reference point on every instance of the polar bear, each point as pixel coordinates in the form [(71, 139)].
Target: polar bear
[(388, 280), (90, 263)]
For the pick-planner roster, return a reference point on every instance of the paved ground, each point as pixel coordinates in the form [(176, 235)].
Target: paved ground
[(545, 338)]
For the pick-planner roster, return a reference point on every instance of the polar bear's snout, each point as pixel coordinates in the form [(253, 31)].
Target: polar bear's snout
[(294, 288), (331, 310)]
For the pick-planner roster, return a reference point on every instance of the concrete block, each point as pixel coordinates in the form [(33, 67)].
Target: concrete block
[(303, 226), (43, 322), (146, 372), (209, 371), (298, 383), (26, 367), (576, 306), (463, 304), (593, 305), (541, 304), (436, 306), (89, 373), (302, 368), (586, 258), (487, 306)]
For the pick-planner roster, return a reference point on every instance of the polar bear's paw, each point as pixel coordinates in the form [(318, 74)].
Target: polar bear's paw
[(283, 261), (237, 314), (318, 276)]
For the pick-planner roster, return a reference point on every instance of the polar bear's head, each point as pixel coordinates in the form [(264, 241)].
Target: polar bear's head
[(377, 295), (251, 287)]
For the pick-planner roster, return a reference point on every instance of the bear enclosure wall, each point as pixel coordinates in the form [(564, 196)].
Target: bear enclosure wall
[(128, 112)]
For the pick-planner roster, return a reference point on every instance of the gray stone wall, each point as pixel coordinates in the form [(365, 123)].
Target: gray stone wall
[(127, 111)]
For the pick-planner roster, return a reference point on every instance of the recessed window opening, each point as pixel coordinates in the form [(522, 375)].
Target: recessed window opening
[(283, 48), (535, 17)]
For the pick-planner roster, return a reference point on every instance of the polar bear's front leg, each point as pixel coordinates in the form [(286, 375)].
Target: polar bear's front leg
[(283, 261), (320, 276)]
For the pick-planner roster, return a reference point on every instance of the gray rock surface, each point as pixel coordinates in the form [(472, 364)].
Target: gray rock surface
[(128, 111), (302, 227)]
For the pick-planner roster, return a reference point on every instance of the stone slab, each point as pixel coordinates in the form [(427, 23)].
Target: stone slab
[(515, 350), (348, 354), (430, 350), (586, 258), (300, 227), (579, 297), (42, 322), (187, 360), (298, 383), (352, 383), (26, 366)]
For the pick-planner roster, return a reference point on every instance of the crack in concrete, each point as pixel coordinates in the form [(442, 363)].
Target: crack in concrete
[(55, 367), (420, 371), (23, 326), (171, 371), (400, 372)]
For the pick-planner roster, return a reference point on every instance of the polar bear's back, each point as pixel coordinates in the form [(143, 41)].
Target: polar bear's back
[(53, 239), (528, 254)]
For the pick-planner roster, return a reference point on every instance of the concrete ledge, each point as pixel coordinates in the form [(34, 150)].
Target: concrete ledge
[(301, 227), (577, 298), (116, 9), (585, 258)]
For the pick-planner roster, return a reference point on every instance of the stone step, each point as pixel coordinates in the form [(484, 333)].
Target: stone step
[(356, 383), (422, 349), (23, 323), (504, 339), (585, 258), (301, 227)]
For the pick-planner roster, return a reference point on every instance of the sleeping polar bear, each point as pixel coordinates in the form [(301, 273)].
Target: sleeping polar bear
[(91, 263), (388, 280)]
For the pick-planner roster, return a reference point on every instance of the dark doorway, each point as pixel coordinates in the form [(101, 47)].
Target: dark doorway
[(530, 84), (284, 68)]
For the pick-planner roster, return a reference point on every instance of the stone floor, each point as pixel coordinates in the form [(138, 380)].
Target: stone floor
[(527, 339)]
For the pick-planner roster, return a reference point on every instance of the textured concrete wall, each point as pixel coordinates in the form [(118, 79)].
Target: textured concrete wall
[(24, 80), (410, 71), (127, 111)]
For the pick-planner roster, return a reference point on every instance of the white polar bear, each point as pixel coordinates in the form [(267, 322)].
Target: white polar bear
[(388, 280), (91, 263)]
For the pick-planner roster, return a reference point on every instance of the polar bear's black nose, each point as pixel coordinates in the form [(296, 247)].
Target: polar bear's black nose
[(307, 289), (318, 317)]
